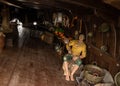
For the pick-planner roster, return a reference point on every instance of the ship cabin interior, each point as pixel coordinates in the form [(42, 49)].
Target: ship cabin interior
[(33, 36)]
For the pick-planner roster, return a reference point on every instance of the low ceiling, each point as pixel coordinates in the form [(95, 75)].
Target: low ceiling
[(114, 3), (110, 6)]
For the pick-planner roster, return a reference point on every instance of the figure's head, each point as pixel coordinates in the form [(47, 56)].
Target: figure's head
[(66, 40), (81, 37)]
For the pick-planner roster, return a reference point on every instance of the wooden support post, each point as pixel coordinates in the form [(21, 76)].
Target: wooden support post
[(5, 20)]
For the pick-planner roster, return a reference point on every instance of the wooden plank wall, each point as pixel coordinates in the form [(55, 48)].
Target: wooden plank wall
[(108, 38)]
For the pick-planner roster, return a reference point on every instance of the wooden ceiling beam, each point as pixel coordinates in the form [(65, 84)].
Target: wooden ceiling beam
[(76, 6), (10, 4), (94, 4), (53, 5)]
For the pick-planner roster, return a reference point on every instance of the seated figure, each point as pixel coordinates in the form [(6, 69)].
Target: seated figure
[(76, 52)]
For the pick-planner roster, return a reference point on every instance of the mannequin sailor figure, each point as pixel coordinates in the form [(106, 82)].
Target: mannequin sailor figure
[(76, 52)]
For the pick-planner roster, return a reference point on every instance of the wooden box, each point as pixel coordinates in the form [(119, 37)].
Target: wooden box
[(48, 37)]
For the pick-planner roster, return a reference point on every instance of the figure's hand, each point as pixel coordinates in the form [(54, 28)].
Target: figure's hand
[(75, 58), (69, 52), (81, 57)]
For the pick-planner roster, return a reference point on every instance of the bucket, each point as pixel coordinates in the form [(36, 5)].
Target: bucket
[(117, 79), (93, 74)]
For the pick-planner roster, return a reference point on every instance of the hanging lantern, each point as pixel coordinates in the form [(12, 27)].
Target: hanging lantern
[(57, 47), (90, 34), (59, 17), (103, 48), (104, 27)]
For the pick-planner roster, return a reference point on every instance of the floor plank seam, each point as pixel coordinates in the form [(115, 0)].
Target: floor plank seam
[(18, 57)]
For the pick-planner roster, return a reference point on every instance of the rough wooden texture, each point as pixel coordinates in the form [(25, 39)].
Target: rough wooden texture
[(34, 64)]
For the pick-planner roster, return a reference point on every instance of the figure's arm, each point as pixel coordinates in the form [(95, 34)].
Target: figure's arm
[(69, 45), (83, 55), (68, 48)]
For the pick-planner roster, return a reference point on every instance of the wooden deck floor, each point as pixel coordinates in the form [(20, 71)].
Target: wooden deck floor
[(35, 64)]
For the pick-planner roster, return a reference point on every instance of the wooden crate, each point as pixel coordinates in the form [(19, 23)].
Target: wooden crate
[(48, 37)]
